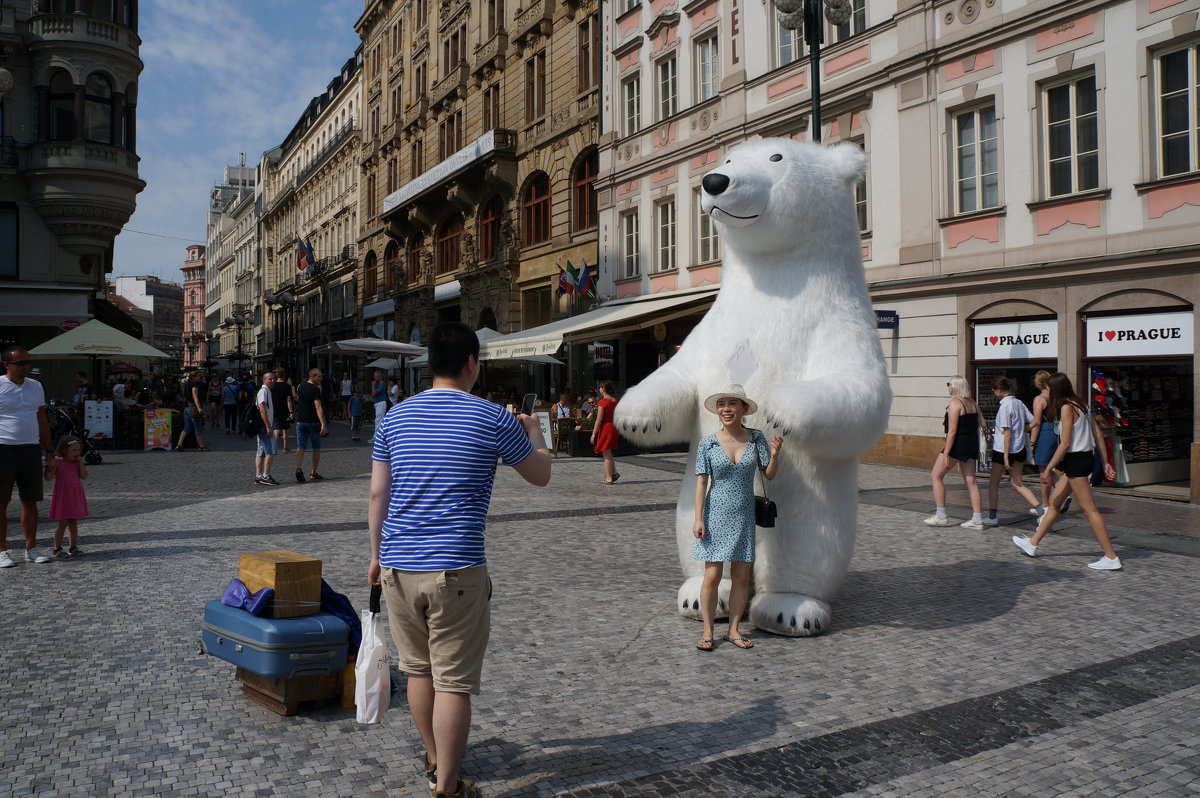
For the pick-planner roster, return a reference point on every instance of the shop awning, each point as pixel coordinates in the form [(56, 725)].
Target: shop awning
[(362, 346), (603, 322)]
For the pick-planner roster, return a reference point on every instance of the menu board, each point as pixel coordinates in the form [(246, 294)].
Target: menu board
[(98, 419), (157, 430)]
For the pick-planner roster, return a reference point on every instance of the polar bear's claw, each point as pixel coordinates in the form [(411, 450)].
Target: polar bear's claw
[(791, 614), (689, 598)]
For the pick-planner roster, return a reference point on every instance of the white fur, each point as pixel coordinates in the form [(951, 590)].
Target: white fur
[(793, 287)]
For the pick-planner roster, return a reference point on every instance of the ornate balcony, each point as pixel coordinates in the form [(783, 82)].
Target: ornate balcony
[(446, 88), (75, 28), (414, 115), (491, 53), (83, 191), (533, 18)]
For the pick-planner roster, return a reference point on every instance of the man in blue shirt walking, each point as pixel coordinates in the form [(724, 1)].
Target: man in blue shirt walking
[(435, 458)]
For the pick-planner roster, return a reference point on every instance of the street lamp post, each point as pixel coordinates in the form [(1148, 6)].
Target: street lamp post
[(806, 15)]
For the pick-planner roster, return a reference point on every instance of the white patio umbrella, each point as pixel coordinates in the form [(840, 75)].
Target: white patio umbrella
[(96, 339)]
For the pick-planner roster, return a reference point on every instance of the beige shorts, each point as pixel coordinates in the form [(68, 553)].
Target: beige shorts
[(440, 622)]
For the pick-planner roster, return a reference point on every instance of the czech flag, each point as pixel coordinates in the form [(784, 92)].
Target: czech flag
[(586, 284)]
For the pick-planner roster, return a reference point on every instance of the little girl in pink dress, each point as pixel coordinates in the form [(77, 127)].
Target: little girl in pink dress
[(68, 504)]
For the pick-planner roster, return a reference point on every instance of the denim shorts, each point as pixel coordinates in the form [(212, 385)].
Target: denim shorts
[(194, 425), (266, 443), (308, 435)]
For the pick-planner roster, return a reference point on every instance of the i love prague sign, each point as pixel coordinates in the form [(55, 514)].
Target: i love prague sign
[(1149, 334), (1018, 340)]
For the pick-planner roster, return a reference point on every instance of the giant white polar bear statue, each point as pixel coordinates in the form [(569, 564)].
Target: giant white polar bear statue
[(793, 324)]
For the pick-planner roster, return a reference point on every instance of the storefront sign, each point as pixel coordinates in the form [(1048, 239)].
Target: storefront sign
[(1017, 340), (66, 325), (887, 319), (156, 430), (98, 419), (1145, 335)]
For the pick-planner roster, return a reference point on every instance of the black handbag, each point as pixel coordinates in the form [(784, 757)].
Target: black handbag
[(765, 510)]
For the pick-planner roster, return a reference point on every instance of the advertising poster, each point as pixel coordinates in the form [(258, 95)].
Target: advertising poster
[(157, 430), (98, 419), (544, 422)]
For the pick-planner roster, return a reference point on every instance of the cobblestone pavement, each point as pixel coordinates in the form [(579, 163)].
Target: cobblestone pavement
[(956, 666)]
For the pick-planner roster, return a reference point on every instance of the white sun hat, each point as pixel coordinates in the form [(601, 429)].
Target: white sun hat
[(733, 391)]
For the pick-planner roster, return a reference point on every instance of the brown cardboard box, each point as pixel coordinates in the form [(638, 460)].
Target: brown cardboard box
[(295, 578)]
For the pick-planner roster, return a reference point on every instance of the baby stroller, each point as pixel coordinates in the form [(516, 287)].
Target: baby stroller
[(63, 423)]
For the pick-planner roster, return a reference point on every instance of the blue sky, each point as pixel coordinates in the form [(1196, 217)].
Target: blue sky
[(221, 77)]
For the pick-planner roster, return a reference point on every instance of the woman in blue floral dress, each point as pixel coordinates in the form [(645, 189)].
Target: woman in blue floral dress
[(724, 525)]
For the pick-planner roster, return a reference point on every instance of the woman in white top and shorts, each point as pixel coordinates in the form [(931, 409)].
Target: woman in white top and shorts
[(1078, 440)]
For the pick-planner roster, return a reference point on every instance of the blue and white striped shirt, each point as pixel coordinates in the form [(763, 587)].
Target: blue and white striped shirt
[(442, 445)]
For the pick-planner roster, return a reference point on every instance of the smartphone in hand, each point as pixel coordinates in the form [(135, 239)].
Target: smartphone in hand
[(527, 404)]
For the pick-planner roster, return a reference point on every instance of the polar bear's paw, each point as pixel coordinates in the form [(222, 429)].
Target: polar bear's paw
[(791, 614), (687, 601)]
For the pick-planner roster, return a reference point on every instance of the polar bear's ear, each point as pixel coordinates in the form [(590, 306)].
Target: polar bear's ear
[(848, 161)]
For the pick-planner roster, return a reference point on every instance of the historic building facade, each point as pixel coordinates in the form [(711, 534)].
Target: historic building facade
[(478, 160), (309, 229), (193, 339), (1031, 198), (230, 202), (68, 161), (164, 301)]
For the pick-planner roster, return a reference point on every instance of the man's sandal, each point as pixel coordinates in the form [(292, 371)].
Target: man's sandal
[(740, 642), (706, 644)]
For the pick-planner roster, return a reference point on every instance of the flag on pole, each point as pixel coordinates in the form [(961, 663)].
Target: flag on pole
[(312, 258), (301, 255), (587, 283), (566, 282), (573, 273)]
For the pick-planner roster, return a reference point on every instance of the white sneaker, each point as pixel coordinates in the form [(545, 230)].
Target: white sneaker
[(969, 524), (991, 522), (33, 555), (1106, 564), (1024, 545), (937, 520), (1033, 511), (6, 561), (1040, 515)]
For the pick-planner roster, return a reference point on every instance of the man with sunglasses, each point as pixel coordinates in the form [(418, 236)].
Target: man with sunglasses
[(23, 426)]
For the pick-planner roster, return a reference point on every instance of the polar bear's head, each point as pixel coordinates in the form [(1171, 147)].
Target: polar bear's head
[(772, 194)]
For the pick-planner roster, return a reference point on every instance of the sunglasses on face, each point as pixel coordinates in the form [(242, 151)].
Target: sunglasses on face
[(20, 362)]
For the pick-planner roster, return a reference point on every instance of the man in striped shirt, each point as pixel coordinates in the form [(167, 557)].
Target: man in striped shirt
[(435, 459)]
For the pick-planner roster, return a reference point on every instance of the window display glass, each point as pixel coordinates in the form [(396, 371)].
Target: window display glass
[(1145, 413)]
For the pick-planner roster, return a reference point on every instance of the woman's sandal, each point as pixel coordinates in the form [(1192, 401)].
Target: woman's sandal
[(740, 642), (707, 644), (616, 477), (204, 449)]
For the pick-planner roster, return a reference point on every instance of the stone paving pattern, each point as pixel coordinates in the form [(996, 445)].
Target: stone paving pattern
[(956, 665)]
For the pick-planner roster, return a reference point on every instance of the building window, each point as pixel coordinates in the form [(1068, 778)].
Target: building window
[(535, 87), (707, 244), (1072, 141), (391, 262), (631, 98), (450, 135), (664, 213), (415, 246), (449, 241), (668, 88), (1178, 117), (491, 107), (536, 307), (495, 17), (98, 110), (537, 209), (370, 275), (9, 226), (62, 107), (787, 44), (708, 70), (420, 13), (629, 244), (860, 196), (976, 160), (855, 25), (371, 196), (489, 228), (586, 214), (417, 158), (452, 50), (589, 53), (391, 176), (420, 81)]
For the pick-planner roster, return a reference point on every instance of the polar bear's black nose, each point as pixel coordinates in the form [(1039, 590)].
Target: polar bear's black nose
[(715, 183)]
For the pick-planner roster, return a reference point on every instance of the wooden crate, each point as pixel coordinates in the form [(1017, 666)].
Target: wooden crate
[(286, 696), (295, 578)]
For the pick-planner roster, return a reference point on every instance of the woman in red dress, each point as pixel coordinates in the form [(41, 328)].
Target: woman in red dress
[(604, 433)]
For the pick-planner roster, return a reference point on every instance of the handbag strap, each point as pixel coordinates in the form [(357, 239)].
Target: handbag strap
[(376, 594), (760, 470)]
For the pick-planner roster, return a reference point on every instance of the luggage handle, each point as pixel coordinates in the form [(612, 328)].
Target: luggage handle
[(315, 655), (376, 593)]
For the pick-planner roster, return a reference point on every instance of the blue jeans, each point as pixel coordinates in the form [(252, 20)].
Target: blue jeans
[(266, 443), (190, 424), (308, 435)]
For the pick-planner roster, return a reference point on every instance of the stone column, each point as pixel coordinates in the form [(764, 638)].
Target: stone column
[(43, 112)]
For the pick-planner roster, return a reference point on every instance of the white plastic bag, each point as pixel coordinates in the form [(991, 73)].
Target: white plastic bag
[(372, 679)]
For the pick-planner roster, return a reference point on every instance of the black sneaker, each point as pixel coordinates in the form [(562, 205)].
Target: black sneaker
[(260, 481), (299, 475), (271, 480)]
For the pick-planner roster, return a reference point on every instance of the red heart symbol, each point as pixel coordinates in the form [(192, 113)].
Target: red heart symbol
[(1110, 334), (994, 339)]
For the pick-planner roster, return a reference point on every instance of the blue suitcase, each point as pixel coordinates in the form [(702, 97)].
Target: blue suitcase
[(279, 648)]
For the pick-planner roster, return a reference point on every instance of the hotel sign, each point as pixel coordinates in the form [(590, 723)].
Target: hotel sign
[(476, 150)]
